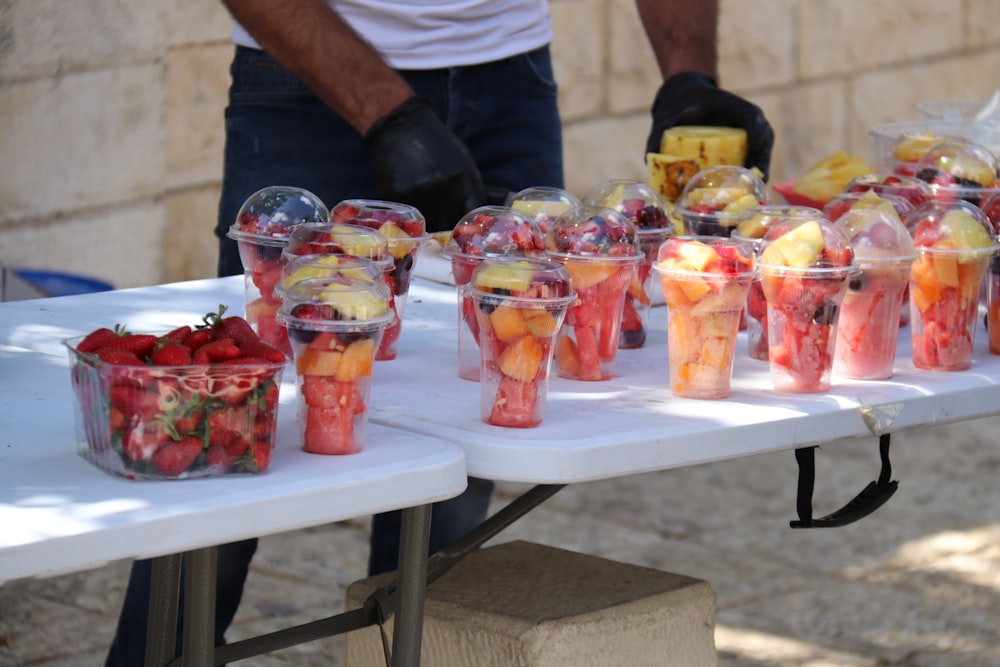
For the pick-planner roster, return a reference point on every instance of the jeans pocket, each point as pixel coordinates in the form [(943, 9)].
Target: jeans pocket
[(258, 78), (538, 64)]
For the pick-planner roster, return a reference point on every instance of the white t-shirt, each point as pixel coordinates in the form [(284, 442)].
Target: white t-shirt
[(430, 34)]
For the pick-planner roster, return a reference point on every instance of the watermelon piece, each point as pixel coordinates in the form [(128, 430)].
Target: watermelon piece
[(516, 404)]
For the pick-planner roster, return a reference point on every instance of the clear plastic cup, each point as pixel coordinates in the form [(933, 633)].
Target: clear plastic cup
[(959, 170), (404, 230), (519, 304), (804, 266), (714, 198), (909, 188), (647, 210), (335, 327), (600, 249), (868, 329), (543, 204), (487, 231), (954, 245), (705, 282), (261, 232), (751, 227)]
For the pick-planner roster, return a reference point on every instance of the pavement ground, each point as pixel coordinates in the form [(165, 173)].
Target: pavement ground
[(916, 584)]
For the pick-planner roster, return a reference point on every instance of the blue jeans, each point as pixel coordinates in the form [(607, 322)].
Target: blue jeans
[(278, 133)]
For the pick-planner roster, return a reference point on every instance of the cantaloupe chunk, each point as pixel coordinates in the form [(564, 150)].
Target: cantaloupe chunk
[(356, 361), (520, 360), (567, 358), (318, 362), (540, 322), (508, 322)]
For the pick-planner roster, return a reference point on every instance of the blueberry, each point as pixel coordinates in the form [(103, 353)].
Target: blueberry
[(825, 315), (857, 282)]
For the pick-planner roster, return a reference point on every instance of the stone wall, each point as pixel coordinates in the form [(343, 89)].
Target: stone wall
[(111, 131)]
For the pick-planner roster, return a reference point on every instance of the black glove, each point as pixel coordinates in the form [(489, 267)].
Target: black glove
[(693, 98), (418, 161)]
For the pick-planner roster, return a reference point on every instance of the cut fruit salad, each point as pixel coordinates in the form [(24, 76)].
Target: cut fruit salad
[(519, 304), (714, 198)]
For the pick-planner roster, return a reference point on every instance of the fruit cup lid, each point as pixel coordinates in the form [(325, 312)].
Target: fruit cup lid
[(490, 231), (698, 256), (338, 238), (593, 232), (723, 190), (335, 304), (806, 244), (951, 226), (542, 204), (333, 267), (523, 279), (876, 234), (272, 212), (641, 204)]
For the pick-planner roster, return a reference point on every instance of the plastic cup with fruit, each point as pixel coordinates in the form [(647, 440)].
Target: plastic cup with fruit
[(909, 148), (543, 204), (752, 227), (600, 249), (196, 401), (332, 238), (959, 170), (487, 231), (405, 231), (804, 266), (334, 326), (712, 201), (261, 232), (519, 304), (954, 245), (910, 188), (868, 329), (705, 280), (649, 213)]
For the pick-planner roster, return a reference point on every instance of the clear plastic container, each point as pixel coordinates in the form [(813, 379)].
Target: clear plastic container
[(713, 200), (886, 135), (543, 204), (487, 231), (519, 305), (649, 212), (175, 422)]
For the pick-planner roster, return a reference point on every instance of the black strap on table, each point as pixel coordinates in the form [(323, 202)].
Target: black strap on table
[(870, 499)]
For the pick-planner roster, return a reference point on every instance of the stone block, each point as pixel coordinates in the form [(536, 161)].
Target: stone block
[(47, 37), (607, 147), (981, 20), (839, 37), (123, 245), (197, 79), (191, 249), (578, 56), (521, 603), (81, 140), (198, 22), (633, 77), (756, 44)]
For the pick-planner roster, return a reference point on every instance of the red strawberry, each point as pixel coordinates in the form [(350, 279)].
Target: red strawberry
[(117, 357), (136, 404), (140, 344), (178, 335), (217, 350), (262, 454), (96, 339), (236, 445), (197, 338), (172, 354), (173, 458), (216, 457)]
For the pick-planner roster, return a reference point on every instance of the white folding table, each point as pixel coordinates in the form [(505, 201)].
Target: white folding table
[(60, 513)]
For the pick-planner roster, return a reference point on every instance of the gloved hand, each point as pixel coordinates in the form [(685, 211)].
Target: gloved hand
[(418, 161), (693, 98)]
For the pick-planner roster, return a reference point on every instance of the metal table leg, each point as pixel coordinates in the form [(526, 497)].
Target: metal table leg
[(408, 628), (199, 607), (161, 634)]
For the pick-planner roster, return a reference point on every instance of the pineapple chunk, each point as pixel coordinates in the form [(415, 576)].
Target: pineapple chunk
[(709, 145), (514, 276), (798, 248), (965, 231), (741, 204), (695, 256)]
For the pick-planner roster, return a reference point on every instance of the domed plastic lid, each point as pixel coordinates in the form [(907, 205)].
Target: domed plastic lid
[(343, 268), (958, 163), (325, 303), (954, 225), (542, 204), (641, 204), (329, 238), (492, 231), (699, 255), (724, 190), (403, 226), (272, 212), (754, 222), (876, 234), (848, 201), (805, 244), (523, 277), (594, 232), (909, 188)]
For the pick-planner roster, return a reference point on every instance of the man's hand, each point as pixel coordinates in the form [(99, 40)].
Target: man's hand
[(417, 160), (692, 98)]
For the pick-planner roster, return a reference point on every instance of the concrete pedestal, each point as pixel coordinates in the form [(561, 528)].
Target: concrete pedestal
[(528, 605)]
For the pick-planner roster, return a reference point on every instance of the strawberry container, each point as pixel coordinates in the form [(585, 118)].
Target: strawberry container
[(175, 422)]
